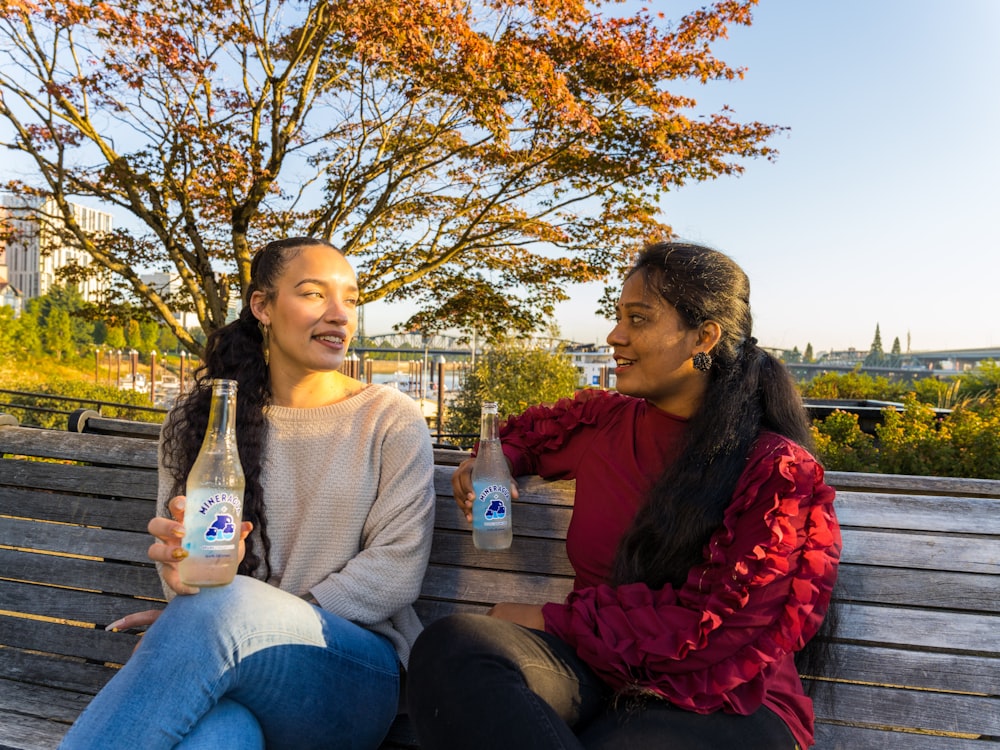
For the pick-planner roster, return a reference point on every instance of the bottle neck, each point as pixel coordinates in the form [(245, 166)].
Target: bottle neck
[(490, 426), (222, 413)]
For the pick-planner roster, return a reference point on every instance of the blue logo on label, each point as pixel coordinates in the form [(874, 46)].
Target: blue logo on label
[(493, 501), (495, 510), (222, 529)]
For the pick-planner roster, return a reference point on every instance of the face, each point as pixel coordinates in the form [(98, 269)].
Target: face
[(313, 314), (653, 350)]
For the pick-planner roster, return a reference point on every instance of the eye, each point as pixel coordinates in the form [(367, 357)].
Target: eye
[(636, 319)]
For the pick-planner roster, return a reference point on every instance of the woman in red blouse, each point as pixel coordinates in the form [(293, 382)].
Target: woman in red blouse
[(703, 538)]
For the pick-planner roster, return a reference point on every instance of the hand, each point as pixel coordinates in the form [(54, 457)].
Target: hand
[(136, 620), (461, 486), (528, 615), (167, 550)]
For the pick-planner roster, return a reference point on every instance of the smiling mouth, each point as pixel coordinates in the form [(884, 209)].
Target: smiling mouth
[(330, 339), (622, 362)]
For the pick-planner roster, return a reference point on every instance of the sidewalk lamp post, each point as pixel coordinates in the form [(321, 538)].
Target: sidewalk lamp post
[(118, 377), (97, 364), (133, 363), (152, 377), (440, 394), (181, 385)]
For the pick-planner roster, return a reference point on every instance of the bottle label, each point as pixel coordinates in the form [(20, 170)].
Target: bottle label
[(493, 501), (220, 511)]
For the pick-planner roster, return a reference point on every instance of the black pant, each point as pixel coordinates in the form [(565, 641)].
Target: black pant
[(479, 682)]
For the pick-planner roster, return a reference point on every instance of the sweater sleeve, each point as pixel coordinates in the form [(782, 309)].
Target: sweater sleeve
[(760, 595), (386, 574), (543, 440)]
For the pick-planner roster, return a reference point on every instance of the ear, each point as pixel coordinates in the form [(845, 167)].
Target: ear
[(259, 307), (709, 334)]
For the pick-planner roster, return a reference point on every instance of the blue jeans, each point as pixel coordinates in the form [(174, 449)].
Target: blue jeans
[(246, 665)]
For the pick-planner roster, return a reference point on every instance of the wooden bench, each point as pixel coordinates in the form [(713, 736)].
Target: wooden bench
[(918, 648)]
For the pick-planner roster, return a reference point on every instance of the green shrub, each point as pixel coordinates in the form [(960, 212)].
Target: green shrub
[(842, 446), (514, 376), (56, 415)]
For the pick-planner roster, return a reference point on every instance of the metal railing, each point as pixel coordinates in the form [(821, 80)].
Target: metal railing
[(32, 399)]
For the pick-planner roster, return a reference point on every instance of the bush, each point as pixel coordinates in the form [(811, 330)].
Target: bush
[(56, 409), (853, 385), (842, 446), (514, 376)]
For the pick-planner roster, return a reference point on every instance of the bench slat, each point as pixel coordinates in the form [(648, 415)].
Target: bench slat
[(922, 551), (115, 578), (917, 628), (835, 737), (933, 589), (19, 732), (128, 514), (530, 519), (972, 515), (80, 480), (102, 450), (908, 709), (919, 485), (47, 670), (924, 670), (65, 604), (542, 556), (75, 540), (32, 700), (487, 587), (68, 640)]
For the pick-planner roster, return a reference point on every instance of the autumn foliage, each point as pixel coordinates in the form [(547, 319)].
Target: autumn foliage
[(474, 157)]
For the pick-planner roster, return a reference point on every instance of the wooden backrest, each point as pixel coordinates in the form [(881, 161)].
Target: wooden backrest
[(72, 550), (917, 648)]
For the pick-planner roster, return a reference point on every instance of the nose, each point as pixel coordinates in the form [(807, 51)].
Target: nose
[(338, 311), (616, 336)]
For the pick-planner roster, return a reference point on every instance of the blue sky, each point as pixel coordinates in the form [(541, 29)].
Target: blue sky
[(882, 206)]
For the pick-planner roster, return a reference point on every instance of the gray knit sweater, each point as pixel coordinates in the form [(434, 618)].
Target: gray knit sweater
[(349, 492)]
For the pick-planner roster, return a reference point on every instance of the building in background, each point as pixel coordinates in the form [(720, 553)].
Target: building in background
[(594, 366), (35, 250)]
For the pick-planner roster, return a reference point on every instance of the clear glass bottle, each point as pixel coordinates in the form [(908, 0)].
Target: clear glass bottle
[(214, 509), (491, 482)]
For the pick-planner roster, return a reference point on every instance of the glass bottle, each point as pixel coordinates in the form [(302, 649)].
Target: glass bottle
[(214, 508), (491, 482)]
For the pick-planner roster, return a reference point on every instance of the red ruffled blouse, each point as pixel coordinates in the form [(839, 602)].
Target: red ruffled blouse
[(725, 640)]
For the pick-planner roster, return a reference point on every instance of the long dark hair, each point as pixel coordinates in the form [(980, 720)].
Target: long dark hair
[(748, 391), (235, 351)]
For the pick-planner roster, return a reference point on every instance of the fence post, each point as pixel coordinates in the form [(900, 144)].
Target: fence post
[(440, 387)]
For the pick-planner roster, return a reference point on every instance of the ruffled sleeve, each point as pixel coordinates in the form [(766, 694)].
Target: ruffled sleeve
[(546, 440), (760, 595)]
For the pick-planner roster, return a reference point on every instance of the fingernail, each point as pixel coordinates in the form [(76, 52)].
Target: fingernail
[(180, 504), (115, 625), (179, 554), (179, 532)]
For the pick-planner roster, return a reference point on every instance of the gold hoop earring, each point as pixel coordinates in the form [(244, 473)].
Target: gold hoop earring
[(265, 333)]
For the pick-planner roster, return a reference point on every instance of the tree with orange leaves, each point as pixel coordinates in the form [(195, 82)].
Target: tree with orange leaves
[(474, 158)]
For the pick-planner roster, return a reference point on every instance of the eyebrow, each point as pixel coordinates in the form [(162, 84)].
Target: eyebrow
[(640, 304), (324, 284)]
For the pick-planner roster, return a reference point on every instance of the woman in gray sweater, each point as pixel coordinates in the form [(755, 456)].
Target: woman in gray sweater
[(304, 648)]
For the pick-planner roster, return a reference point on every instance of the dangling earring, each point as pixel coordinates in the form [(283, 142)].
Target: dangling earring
[(702, 361), (265, 332)]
